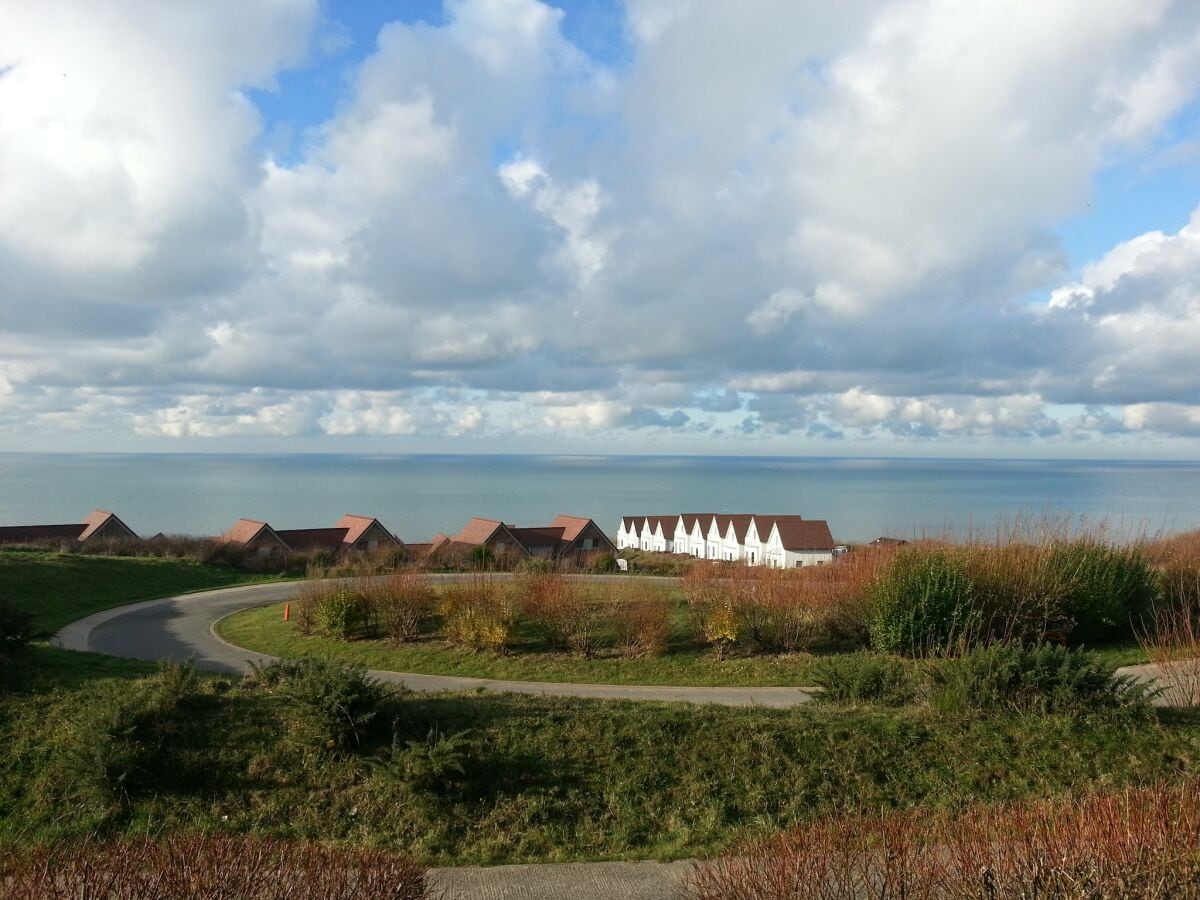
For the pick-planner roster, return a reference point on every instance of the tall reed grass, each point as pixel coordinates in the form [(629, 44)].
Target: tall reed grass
[(1138, 844)]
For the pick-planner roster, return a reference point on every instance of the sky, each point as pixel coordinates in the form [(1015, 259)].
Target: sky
[(770, 227)]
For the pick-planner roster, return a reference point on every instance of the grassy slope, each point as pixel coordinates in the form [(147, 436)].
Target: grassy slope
[(263, 629), (58, 588), (545, 779)]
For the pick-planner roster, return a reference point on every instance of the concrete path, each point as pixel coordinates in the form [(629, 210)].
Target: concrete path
[(181, 628), (562, 881)]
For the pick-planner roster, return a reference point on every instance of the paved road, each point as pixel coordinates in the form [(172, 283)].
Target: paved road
[(577, 881), (181, 628)]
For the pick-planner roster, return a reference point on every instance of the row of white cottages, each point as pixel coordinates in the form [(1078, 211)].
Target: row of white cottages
[(781, 542)]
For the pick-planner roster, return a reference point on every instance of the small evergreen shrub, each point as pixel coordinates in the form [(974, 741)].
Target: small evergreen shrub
[(344, 613), (1108, 589), (864, 677), (1044, 679), (437, 762), (330, 707), (921, 604)]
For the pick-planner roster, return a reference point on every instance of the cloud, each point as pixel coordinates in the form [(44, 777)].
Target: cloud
[(770, 221)]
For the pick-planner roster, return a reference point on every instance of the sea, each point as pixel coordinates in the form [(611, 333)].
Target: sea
[(417, 496)]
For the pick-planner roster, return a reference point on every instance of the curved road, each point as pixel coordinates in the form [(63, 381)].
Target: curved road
[(181, 628)]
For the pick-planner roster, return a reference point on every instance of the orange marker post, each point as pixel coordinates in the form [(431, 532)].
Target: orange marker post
[(287, 611)]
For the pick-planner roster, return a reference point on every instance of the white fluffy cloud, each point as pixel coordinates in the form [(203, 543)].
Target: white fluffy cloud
[(772, 219)]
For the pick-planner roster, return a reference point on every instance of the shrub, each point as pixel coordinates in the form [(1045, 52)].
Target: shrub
[(713, 605), (921, 603), (562, 610), (435, 763), (1045, 679), (478, 615), (1018, 593), (863, 678), (402, 605), (1140, 844), (210, 867), (16, 627), (330, 707), (640, 613), (601, 563), (307, 603), (1108, 589), (344, 613)]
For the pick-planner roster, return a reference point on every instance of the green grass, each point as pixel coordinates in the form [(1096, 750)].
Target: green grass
[(264, 630), (58, 588), (543, 779)]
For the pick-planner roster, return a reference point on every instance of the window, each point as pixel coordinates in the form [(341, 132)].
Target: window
[(589, 544)]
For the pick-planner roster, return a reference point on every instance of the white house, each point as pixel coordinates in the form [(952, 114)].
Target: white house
[(776, 541), (794, 542)]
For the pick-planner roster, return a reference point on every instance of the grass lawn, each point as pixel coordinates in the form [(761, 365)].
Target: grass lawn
[(58, 588), (541, 779), (687, 663)]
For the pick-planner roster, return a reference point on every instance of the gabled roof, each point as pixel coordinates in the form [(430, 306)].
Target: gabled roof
[(98, 519), (628, 522), (357, 526), (478, 530), (690, 520), (740, 523), (245, 531), (803, 534), (572, 526)]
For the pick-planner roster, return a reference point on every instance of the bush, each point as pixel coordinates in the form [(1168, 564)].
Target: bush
[(640, 614), (330, 707), (1171, 639), (344, 613), (16, 627), (713, 605), (197, 866), (402, 605), (478, 615), (864, 678), (563, 611), (1108, 589), (1045, 679), (600, 563), (435, 763), (921, 604)]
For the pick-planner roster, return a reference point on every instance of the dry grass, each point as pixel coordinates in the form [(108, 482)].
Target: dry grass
[(1141, 843), (208, 868)]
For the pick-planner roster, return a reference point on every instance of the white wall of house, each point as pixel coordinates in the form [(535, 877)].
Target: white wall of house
[(696, 540), (779, 557), (682, 538), (626, 539), (662, 541), (752, 552), (713, 540), (731, 548)]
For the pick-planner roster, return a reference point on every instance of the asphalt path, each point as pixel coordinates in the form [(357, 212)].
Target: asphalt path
[(181, 628)]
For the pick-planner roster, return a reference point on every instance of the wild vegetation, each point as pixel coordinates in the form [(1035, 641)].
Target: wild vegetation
[(1134, 844)]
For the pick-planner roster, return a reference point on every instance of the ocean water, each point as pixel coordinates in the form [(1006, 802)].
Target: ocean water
[(419, 495)]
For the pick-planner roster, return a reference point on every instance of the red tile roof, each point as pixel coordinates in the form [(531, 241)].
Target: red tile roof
[(571, 526), (478, 530), (246, 530), (98, 518)]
